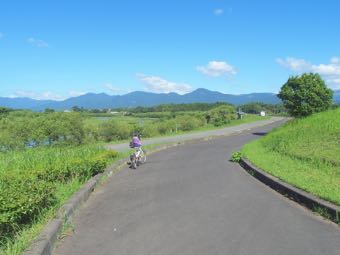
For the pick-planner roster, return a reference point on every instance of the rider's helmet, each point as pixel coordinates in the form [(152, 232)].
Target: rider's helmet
[(136, 133)]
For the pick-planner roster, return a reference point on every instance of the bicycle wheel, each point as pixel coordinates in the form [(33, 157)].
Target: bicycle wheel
[(134, 162), (142, 157)]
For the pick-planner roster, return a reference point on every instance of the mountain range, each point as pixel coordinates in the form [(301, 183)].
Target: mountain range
[(140, 98)]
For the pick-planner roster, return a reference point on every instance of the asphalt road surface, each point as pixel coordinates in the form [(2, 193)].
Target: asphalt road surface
[(191, 200)]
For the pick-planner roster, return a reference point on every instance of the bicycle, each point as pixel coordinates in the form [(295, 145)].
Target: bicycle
[(137, 158)]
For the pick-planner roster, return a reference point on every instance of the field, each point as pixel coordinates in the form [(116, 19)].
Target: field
[(305, 153)]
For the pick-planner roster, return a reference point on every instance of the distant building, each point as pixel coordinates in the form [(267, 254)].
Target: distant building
[(240, 114)]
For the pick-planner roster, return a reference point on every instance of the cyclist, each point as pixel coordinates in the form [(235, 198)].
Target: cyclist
[(136, 143)]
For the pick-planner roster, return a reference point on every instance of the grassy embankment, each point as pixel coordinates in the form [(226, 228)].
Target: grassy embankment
[(304, 152)]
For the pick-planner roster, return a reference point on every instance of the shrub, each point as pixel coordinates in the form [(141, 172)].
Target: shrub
[(236, 156), (149, 130), (221, 115), (166, 126), (28, 179), (187, 122), (22, 197), (113, 130)]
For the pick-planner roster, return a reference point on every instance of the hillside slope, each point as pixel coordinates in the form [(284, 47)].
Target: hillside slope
[(305, 153)]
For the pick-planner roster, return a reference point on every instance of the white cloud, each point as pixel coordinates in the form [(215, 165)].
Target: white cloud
[(217, 69), (47, 95), (115, 90), (37, 42), (76, 93), (335, 60), (160, 85), (218, 12), (330, 72), (293, 64)]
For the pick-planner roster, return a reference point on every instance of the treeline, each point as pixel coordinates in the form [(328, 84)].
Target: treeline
[(22, 129), (170, 109), (257, 107), (174, 107), (253, 108)]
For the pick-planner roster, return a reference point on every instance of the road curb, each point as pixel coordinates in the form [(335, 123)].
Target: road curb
[(306, 199), (45, 242)]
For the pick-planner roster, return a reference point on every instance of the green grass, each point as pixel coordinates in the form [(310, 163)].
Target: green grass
[(65, 169), (304, 152), (17, 244)]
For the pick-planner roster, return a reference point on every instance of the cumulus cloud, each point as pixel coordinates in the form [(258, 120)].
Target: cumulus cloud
[(217, 69), (160, 85), (330, 71), (218, 12), (37, 42)]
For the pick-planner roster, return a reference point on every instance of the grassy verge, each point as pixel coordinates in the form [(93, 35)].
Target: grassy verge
[(304, 153), (36, 182)]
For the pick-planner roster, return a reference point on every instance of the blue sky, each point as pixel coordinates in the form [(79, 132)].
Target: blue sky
[(57, 49)]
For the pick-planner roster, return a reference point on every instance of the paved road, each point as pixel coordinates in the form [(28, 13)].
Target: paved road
[(198, 135), (191, 200)]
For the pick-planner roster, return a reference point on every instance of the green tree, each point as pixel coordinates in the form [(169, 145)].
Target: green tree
[(49, 110), (221, 115), (4, 110), (306, 94), (77, 109)]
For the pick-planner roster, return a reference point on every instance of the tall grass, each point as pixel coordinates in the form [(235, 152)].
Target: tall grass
[(34, 182), (304, 152)]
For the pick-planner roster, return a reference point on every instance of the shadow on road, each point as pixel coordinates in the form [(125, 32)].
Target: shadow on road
[(260, 133)]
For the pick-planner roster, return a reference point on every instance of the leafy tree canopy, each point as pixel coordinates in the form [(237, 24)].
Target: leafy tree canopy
[(306, 94)]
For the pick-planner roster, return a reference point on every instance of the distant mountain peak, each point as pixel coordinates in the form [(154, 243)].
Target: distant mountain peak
[(202, 90)]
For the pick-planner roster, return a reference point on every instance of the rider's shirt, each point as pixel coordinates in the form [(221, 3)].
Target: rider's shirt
[(136, 142)]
